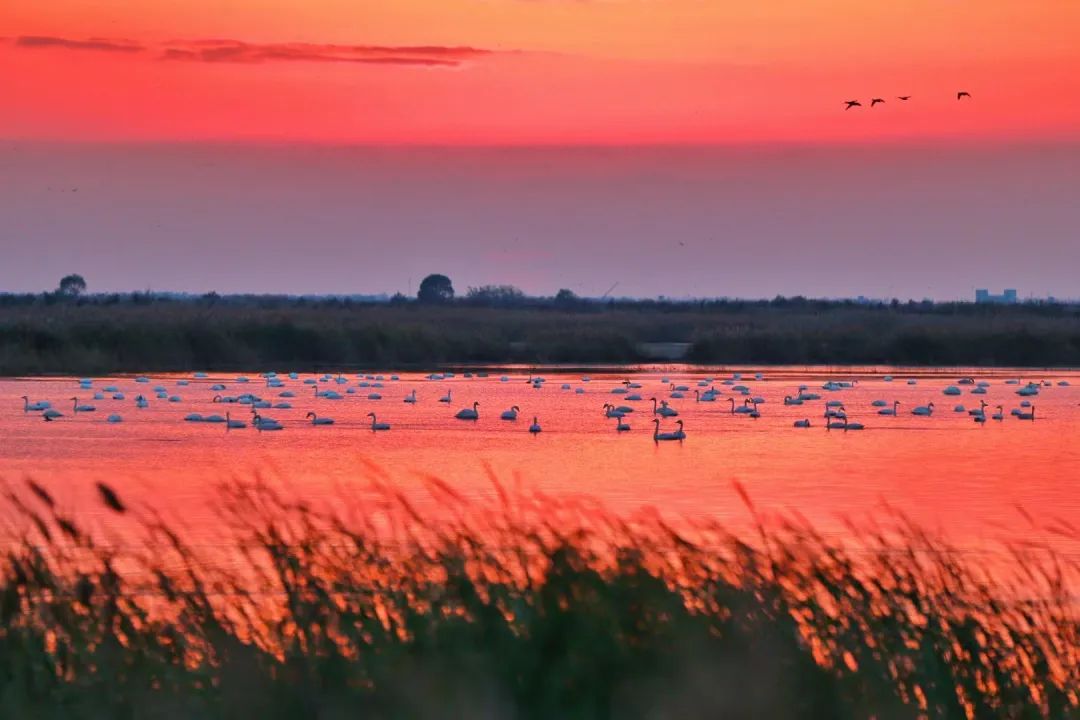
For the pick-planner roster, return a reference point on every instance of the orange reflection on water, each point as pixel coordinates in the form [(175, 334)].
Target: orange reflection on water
[(945, 471)]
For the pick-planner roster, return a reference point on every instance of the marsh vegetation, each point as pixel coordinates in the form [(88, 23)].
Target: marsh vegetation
[(527, 607)]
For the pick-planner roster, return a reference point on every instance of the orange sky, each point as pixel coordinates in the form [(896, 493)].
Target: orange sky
[(551, 71)]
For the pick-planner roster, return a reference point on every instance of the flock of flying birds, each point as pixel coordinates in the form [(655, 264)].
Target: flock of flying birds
[(962, 94)]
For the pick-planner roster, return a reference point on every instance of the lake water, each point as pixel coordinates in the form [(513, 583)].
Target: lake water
[(946, 471)]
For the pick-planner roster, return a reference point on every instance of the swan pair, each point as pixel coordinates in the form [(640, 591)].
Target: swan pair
[(265, 424), (844, 424), (677, 435), (662, 409), (612, 412)]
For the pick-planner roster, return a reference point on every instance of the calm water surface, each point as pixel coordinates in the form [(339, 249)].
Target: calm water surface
[(945, 470)]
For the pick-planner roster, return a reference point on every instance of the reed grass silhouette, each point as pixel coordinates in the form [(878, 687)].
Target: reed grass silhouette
[(524, 607)]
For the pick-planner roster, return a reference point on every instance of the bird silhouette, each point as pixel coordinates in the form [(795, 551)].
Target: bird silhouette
[(852, 104), (905, 98), (963, 94), (875, 101)]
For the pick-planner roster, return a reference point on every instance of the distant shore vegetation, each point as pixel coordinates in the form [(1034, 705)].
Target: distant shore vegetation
[(71, 331)]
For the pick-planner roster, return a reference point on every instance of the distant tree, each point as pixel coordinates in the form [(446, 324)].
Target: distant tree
[(398, 299), (435, 289), (566, 298), (495, 295), (72, 286)]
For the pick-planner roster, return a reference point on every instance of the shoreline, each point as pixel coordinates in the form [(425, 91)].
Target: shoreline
[(95, 338)]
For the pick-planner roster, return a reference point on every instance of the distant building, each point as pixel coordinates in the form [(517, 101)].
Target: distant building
[(1006, 298)]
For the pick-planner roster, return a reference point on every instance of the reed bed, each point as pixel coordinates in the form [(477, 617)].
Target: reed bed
[(96, 337), (524, 607)]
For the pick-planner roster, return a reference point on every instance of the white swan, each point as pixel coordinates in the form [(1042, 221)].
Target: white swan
[(411, 398), (535, 427), (469, 414), (510, 414), (802, 423), (82, 408), (34, 406), (231, 424), (890, 411), (445, 398), (50, 414), (115, 418), (1026, 415), (1000, 414), (924, 410), (316, 420), (620, 426), (376, 425)]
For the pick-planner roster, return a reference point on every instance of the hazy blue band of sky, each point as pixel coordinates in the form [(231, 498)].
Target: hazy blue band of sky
[(934, 220)]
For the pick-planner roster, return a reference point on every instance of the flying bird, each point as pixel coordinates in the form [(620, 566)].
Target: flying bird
[(852, 104), (905, 98), (963, 94), (875, 101)]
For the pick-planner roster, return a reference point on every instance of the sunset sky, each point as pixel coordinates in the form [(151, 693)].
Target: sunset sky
[(528, 71), (84, 78)]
